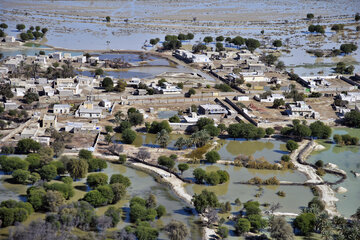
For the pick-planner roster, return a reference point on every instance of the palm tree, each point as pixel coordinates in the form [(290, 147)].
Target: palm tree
[(163, 138), (200, 138)]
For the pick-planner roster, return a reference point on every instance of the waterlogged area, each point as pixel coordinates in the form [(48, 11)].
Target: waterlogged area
[(270, 149), (296, 196), (347, 159)]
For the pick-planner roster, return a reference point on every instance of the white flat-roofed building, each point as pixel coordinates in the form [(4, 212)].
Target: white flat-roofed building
[(57, 55), (105, 103), (61, 109), (301, 109), (10, 106), (350, 97), (48, 91), (49, 121), (80, 59), (242, 98), (212, 109), (88, 110), (93, 60), (10, 39), (85, 81), (67, 55), (134, 82), (254, 77)]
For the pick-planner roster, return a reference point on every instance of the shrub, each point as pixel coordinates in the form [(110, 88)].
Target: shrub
[(65, 189), (107, 193), (319, 163), (96, 164), (166, 162), (321, 172), (291, 145), (161, 211), (48, 172), (20, 176), (9, 164), (281, 193)]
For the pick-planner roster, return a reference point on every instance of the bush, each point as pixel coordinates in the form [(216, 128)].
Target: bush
[(204, 200), (27, 145), (321, 172), (281, 193), (319, 163), (174, 119), (119, 191), (114, 214), (183, 167), (128, 136), (96, 179), (36, 197), (157, 127), (256, 222), (212, 156), (107, 192), (67, 180), (118, 178), (223, 232)]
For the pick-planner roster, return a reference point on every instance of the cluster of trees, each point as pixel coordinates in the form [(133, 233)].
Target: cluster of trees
[(154, 41), (144, 211), (3, 26), (250, 43), (60, 139), (156, 127), (316, 129), (12, 212), (252, 221), (94, 164), (171, 42), (104, 193), (32, 33), (343, 69), (316, 28), (261, 163), (108, 84), (211, 178), (245, 130), (345, 139)]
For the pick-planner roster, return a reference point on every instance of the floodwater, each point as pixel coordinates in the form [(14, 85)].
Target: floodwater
[(80, 24), (347, 158), (270, 149)]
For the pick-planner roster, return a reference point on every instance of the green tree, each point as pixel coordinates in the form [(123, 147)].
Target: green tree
[(85, 154), (257, 222), (77, 168), (96, 179), (144, 231), (166, 162), (183, 167), (320, 130), (128, 136), (310, 16), (31, 97), (136, 118), (212, 156), (20, 176), (115, 215), (48, 172), (95, 198), (65, 189), (238, 41), (252, 44), (277, 43), (301, 131), (205, 200), (269, 131), (99, 72), (212, 130), (242, 226), (305, 222), (352, 119), (278, 103), (163, 138), (199, 175), (119, 178), (122, 158), (280, 229), (36, 197), (176, 230), (124, 125), (9, 164), (223, 232), (108, 18), (3, 26), (119, 191), (27, 145), (348, 48), (161, 211), (53, 200), (208, 39), (191, 92), (20, 27), (174, 119), (291, 145), (107, 83)]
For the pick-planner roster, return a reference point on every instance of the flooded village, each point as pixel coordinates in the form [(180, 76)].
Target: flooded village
[(179, 120)]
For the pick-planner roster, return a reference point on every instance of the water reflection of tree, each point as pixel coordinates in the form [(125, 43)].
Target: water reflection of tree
[(247, 147)]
